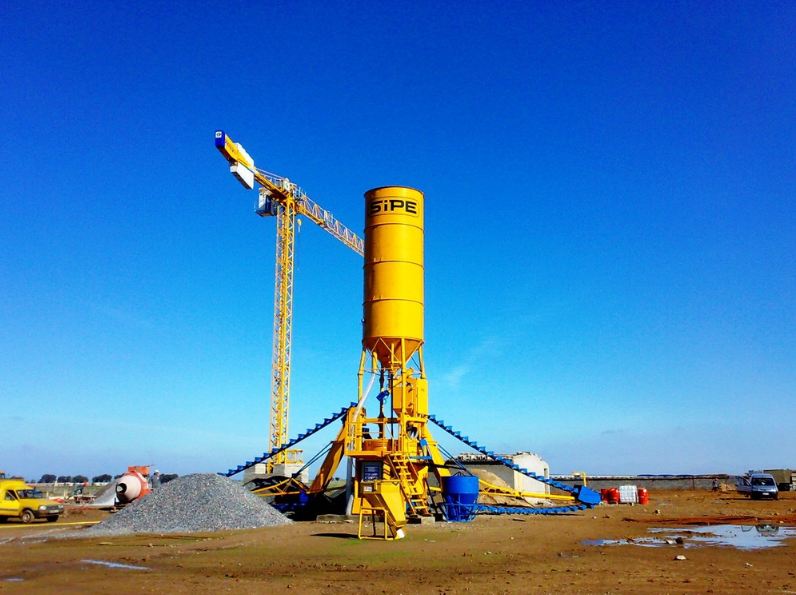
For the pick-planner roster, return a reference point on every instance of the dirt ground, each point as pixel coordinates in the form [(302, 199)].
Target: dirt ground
[(492, 554)]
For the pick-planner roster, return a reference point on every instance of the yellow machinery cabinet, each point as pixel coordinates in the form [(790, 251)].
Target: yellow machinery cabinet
[(416, 397)]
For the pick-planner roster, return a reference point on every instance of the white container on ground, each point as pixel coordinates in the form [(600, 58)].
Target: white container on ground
[(628, 495)]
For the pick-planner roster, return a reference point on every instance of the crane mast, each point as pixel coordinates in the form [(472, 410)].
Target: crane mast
[(280, 197), (283, 330)]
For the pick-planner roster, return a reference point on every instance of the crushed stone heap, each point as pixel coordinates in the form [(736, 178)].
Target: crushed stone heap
[(199, 502)]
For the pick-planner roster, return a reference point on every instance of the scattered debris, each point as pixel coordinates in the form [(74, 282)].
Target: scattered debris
[(680, 557), (567, 555)]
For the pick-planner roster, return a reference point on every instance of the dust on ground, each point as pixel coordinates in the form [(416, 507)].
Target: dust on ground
[(492, 554)]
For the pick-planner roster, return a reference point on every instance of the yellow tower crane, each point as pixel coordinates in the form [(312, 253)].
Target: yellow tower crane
[(282, 198)]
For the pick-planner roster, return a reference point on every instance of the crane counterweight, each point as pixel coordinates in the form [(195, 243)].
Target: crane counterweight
[(244, 175)]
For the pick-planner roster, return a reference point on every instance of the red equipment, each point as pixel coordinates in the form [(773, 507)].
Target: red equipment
[(133, 484), (643, 496)]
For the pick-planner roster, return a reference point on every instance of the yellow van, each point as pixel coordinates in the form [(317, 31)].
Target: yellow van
[(19, 500)]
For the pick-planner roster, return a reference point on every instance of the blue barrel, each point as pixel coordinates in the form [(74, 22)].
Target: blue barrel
[(460, 495)]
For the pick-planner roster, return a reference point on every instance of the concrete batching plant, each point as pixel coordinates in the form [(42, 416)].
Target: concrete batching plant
[(399, 471)]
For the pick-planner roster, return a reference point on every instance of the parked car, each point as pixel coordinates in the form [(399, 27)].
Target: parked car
[(21, 501), (757, 485)]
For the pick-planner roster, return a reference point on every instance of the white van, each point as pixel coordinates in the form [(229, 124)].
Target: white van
[(757, 485)]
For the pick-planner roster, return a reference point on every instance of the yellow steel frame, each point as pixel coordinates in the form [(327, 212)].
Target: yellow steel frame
[(286, 487), (582, 476), (397, 443), (377, 514), (291, 202), (283, 327), (490, 489), (332, 460)]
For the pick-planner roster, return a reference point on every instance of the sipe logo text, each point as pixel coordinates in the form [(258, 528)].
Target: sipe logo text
[(390, 205)]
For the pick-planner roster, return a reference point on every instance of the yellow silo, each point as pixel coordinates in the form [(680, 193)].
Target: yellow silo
[(393, 304)]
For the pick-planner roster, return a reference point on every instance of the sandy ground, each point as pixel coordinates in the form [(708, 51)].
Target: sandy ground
[(492, 554)]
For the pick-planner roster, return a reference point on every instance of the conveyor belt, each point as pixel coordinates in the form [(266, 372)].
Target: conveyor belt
[(274, 451), (587, 498)]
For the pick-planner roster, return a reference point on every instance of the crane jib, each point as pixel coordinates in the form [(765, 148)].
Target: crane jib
[(285, 200)]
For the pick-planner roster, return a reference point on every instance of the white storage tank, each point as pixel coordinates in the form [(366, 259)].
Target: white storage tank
[(260, 471), (532, 462), (527, 460)]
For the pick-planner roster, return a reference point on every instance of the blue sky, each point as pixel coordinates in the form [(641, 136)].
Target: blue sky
[(610, 225)]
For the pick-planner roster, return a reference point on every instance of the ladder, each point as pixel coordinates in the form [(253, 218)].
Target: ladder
[(415, 496)]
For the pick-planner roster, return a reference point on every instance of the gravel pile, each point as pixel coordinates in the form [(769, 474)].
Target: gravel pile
[(200, 502)]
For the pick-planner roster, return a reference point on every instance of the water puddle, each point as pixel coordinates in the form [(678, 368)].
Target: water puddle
[(116, 565), (641, 541), (12, 579), (743, 537)]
